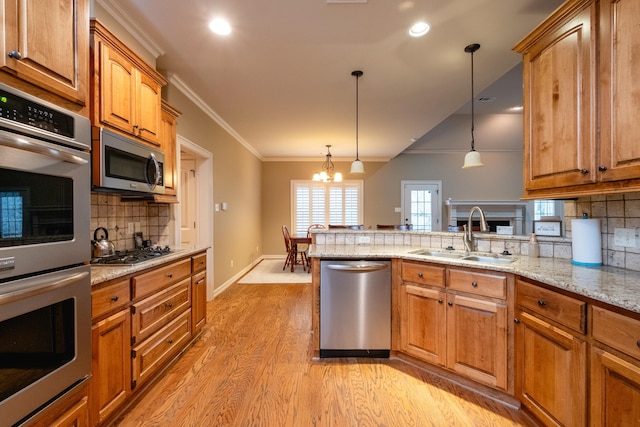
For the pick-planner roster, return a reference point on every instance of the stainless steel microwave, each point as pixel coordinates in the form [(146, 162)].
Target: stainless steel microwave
[(121, 164)]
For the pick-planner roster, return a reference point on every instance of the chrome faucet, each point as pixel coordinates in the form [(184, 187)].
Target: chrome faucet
[(467, 236)]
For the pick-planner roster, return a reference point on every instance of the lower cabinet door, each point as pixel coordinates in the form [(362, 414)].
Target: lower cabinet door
[(615, 390), (154, 352), (550, 372), (198, 301), (111, 364), (477, 339), (423, 323)]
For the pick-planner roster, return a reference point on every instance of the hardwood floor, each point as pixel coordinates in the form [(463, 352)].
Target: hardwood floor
[(252, 367)]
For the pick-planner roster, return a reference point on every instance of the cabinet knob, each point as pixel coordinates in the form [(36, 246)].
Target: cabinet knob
[(450, 303), (541, 303), (419, 274), (114, 299), (169, 305), (474, 284), (170, 341), (584, 171), (638, 343), (602, 168), (15, 55), (440, 302), (516, 321), (170, 275)]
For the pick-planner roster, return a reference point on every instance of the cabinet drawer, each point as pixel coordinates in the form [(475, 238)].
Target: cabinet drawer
[(490, 285), (616, 330), (156, 351), (154, 312), (423, 274), (109, 298), (565, 310), (146, 283), (198, 263)]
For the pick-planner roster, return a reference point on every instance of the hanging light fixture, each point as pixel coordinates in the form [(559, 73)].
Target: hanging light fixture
[(472, 158), (357, 166), (328, 174)]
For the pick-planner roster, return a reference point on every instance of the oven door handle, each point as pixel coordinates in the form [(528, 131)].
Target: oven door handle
[(57, 152), (42, 286)]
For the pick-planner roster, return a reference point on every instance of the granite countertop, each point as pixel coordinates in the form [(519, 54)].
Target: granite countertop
[(611, 285), (102, 273)]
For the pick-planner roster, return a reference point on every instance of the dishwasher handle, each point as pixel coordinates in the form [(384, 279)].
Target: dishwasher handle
[(357, 268)]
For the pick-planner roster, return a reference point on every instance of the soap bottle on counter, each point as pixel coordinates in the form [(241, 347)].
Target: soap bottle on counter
[(534, 246)]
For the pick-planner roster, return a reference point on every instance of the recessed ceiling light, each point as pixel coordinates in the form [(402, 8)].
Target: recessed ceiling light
[(220, 27), (419, 29), (517, 108)]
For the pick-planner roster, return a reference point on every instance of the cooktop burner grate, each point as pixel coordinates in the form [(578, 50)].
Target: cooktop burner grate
[(132, 256)]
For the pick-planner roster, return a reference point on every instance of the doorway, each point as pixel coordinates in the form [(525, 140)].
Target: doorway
[(421, 205), (194, 213)]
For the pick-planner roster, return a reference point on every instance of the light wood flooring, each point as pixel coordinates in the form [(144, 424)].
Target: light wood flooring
[(252, 367)]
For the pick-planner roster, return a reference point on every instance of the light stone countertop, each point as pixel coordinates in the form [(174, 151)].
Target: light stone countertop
[(102, 273), (611, 285)]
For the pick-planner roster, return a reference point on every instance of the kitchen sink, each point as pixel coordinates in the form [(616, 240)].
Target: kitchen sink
[(427, 252), (488, 259)]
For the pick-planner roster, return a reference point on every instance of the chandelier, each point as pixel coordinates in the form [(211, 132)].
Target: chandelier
[(328, 174)]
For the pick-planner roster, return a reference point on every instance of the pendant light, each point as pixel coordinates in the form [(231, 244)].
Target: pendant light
[(472, 158), (328, 174), (357, 166)]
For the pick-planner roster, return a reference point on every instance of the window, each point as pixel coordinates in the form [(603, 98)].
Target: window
[(542, 208), (421, 205), (338, 203)]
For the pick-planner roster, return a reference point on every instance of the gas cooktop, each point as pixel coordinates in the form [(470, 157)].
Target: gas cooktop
[(132, 256)]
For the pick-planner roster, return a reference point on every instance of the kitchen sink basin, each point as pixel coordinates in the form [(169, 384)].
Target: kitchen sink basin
[(427, 252), (488, 259)]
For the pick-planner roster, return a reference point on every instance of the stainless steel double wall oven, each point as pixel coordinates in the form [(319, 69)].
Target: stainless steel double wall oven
[(45, 285)]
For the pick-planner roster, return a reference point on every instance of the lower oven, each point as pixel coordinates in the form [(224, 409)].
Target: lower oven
[(45, 340)]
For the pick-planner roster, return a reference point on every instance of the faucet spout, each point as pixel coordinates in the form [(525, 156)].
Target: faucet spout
[(467, 236)]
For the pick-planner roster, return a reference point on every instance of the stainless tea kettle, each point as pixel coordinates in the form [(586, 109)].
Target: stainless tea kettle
[(102, 247)]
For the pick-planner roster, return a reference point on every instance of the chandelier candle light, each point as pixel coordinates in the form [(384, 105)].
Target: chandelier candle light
[(327, 174), (472, 158), (357, 166)]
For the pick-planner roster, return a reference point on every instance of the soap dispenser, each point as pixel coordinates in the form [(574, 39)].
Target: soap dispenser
[(534, 246)]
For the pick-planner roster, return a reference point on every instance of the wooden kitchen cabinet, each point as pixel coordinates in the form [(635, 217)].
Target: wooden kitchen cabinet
[(126, 92), (46, 43), (168, 145), (456, 318), (111, 365), (76, 416), (551, 356), (579, 105), (199, 292), (614, 369)]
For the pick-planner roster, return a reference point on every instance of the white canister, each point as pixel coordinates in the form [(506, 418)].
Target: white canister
[(586, 242)]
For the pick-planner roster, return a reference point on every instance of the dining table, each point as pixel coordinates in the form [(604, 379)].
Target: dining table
[(295, 241)]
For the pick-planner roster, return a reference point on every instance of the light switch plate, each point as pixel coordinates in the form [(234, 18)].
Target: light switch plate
[(625, 237)]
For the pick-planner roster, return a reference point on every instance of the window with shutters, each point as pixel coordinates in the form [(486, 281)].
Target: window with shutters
[(336, 203)]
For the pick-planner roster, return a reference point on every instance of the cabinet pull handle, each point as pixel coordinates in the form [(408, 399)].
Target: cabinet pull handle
[(638, 343), (419, 274), (169, 305), (114, 299), (170, 275), (440, 302), (450, 303), (541, 303), (474, 284), (200, 281), (516, 321), (170, 341), (602, 168), (584, 171), (15, 55)]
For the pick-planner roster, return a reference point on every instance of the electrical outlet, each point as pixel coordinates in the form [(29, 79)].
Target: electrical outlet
[(625, 237)]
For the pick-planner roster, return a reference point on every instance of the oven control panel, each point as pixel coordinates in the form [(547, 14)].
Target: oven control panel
[(16, 108)]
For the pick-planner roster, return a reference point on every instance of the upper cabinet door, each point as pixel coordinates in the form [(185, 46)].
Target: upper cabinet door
[(117, 90), (620, 100), (149, 100), (47, 44), (559, 117)]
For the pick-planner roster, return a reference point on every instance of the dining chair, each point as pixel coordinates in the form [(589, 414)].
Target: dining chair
[(293, 251), (312, 227)]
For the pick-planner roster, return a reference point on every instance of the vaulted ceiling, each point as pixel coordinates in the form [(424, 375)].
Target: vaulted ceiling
[(281, 81)]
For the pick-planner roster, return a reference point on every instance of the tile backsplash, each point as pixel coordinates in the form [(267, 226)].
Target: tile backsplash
[(108, 211), (614, 211)]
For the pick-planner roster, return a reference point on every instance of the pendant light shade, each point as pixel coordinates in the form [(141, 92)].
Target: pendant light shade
[(328, 174), (357, 166), (472, 158)]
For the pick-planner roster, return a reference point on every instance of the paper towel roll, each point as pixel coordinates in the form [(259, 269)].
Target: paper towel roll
[(586, 242)]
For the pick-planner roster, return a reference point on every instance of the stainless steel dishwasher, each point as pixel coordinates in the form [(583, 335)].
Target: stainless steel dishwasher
[(355, 308)]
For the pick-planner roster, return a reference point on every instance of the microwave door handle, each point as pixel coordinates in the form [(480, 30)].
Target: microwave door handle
[(152, 158), (57, 152)]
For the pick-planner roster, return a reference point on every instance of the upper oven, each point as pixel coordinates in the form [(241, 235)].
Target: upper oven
[(45, 186)]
